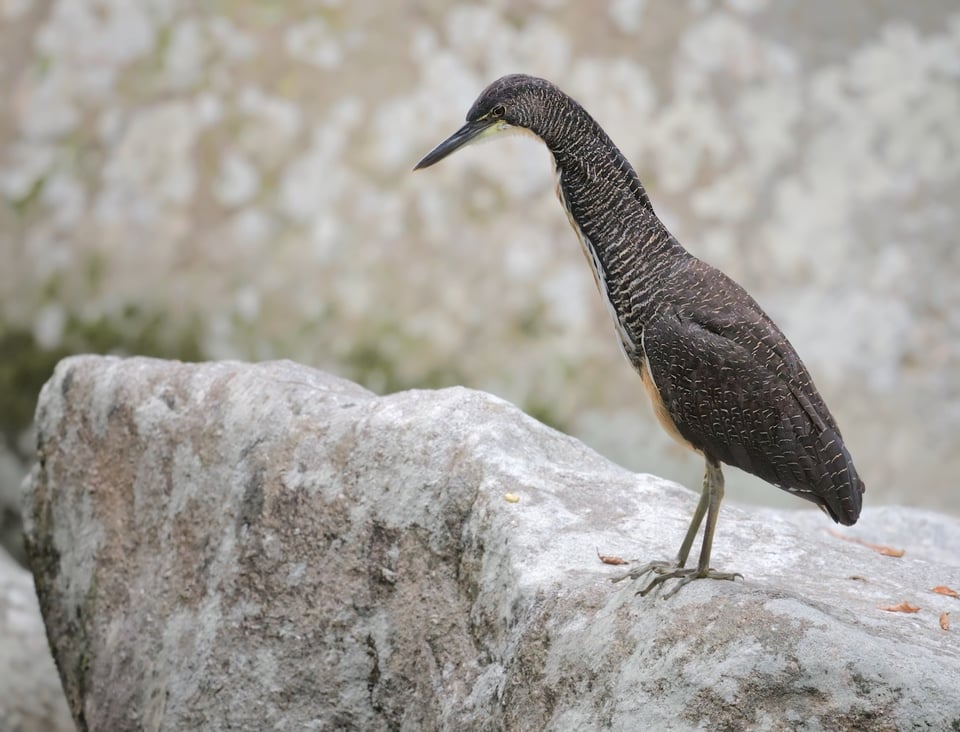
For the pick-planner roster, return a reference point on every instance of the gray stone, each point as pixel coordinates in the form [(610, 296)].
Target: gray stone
[(31, 697), (233, 546)]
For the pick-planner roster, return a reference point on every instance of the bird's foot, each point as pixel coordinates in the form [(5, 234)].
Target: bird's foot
[(665, 570), (659, 566)]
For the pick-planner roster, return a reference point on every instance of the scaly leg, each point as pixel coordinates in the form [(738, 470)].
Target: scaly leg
[(710, 497), (665, 564)]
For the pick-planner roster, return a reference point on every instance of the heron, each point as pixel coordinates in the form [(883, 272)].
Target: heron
[(722, 378)]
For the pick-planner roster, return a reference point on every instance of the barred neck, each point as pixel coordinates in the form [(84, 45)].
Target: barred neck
[(600, 189), (628, 247)]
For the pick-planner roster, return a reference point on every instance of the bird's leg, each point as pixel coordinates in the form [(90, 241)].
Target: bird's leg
[(710, 498), (665, 565), (702, 505)]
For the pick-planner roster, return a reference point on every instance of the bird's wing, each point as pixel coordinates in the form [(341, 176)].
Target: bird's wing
[(736, 389), (735, 316)]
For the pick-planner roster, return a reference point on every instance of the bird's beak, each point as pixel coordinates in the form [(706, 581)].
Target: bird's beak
[(464, 136)]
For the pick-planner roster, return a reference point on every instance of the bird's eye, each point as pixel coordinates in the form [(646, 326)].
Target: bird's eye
[(498, 111)]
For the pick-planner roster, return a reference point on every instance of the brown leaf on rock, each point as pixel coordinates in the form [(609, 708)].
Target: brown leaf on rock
[(903, 607), (607, 559), (945, 621), (944, 590), (886, 551)]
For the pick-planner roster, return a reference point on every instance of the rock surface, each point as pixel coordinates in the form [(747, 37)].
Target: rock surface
[(31, 697), (266, 546)]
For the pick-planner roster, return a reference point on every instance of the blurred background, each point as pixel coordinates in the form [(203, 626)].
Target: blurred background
[(224, 179)]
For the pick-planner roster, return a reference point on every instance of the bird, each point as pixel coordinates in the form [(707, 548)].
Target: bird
[(722, 377)]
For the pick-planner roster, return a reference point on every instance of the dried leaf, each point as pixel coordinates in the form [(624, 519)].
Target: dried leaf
[(945, 621), (879, 548), (511, 498), (944, 590), (903, 607), (607, 559)]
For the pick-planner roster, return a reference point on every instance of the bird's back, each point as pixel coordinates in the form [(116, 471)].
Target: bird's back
[(736, 389)]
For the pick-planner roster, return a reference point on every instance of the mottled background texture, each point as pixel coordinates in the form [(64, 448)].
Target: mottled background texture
[(233, 180)]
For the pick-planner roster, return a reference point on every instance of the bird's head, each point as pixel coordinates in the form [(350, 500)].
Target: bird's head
[(511, 103)]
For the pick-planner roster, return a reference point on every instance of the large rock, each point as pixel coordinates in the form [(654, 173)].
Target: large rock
[(31, 698), (269, 547)]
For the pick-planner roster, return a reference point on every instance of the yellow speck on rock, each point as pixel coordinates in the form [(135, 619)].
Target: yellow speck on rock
[(511, 498)]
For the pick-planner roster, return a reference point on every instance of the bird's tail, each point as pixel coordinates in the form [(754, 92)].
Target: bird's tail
[(841, 488)]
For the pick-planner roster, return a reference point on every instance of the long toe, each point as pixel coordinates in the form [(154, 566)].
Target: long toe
[(685, 576), (659, 566)]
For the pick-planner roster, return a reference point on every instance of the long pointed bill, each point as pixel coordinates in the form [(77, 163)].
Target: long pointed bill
[(464, 136)]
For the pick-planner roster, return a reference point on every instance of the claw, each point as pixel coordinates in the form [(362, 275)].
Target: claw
[(666, 570), (659, 567), (684, 576)]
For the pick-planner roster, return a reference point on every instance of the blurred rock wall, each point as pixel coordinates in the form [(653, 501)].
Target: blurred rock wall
[(233, 180)]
